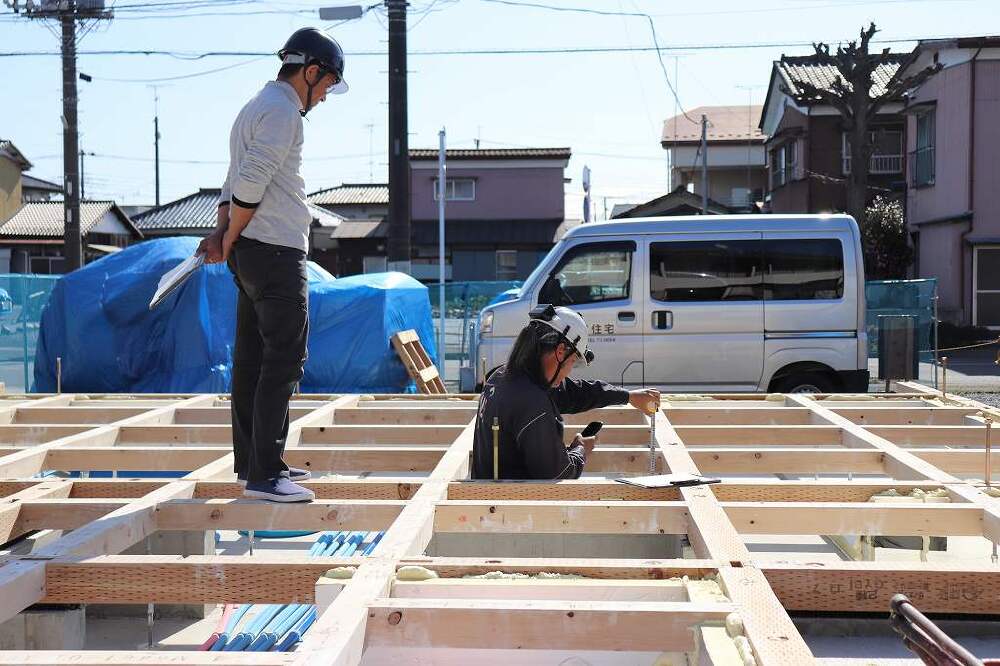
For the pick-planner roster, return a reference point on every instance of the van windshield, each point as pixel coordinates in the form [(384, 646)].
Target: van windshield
[(536, 275)]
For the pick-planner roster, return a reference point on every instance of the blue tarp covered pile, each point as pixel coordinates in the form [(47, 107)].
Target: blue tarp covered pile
[(99, 322)]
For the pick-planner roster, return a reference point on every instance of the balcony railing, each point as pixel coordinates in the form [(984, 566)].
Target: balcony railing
[(878, 164)]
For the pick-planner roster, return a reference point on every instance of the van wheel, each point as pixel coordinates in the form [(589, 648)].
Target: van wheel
[(805, 382)]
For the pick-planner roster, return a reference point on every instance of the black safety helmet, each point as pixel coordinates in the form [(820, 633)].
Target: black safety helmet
[(309, 46)]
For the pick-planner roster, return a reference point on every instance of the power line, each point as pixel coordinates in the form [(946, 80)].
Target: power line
[(188, 55), (601, 12), (130, 158)]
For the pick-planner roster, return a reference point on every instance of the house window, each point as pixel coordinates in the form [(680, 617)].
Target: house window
[(506, 264), (373, 264), (457, 189), (784, 160), (922, 159), (887, 152), (986, 291)]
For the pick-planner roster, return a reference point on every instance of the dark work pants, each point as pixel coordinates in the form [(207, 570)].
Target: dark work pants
[(272, 325)]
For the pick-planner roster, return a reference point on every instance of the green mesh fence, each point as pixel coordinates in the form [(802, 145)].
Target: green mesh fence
[(22, 299), (463, 303), (902, 297)]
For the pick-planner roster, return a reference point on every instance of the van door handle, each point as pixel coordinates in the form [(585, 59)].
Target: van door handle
[(663, 320), (628, 317)]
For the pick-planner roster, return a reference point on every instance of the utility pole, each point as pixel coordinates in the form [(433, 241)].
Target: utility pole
[(72, 241), (399, 150), (704, 164), (442, 195), (67, 12)]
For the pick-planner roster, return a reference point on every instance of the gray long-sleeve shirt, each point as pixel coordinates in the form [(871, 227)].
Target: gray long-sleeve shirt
[(265, 154)]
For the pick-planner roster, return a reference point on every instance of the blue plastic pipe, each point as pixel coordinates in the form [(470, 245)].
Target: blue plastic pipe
[(296, 634), (248, 635), (286, 626), (374, 542), (237, 615), (267, 637)]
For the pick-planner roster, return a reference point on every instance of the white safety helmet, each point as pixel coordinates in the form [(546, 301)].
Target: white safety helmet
[(570, 326)]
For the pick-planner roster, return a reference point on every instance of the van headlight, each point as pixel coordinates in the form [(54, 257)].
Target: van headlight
[(486, 323)]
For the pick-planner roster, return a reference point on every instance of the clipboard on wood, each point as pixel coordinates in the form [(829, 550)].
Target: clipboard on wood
[(175, 277)]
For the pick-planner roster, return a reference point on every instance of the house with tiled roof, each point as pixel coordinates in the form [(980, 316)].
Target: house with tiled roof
[(504, 210), (354, 201), (196, 215), (31, 241), (734, 159), (808, 156)]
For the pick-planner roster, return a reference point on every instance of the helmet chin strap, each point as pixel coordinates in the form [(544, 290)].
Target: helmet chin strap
[(309, 90)]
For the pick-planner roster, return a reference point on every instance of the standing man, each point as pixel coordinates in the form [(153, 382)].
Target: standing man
[(263, 234)]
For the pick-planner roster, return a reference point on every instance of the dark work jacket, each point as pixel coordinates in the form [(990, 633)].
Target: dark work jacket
[(531, 425)]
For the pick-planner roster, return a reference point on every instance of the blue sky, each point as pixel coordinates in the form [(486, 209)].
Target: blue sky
[(608, 107)]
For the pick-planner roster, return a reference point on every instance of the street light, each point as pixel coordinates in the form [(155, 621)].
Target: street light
[(345, 13)]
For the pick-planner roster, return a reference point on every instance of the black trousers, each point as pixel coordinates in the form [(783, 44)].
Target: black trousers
[(272, 325)]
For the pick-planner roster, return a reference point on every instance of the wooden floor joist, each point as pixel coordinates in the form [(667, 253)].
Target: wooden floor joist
[(401, 464)]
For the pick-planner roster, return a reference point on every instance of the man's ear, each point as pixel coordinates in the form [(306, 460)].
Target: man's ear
[(312, 74), (561, 352)]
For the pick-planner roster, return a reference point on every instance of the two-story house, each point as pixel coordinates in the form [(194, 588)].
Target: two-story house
[(808, 156), (953, 198), (736, 167), (504, 209)]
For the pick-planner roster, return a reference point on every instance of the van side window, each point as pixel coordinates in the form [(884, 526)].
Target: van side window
[(591, 274), (803, 269), (722, 270)]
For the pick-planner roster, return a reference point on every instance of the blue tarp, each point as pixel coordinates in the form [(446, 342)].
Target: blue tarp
[(98, 321)]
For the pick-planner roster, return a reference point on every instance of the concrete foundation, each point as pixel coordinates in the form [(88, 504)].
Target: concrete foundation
[(45, 628)]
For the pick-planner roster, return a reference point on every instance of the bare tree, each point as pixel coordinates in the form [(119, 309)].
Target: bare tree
[(852, 95)]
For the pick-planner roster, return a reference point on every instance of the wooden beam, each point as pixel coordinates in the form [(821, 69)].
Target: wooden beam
[(563, 590), (195, 579), (915, 416), (461, 415), (760, 435), (738, 416), (866, 587), (577, 489), (598, 568), (856, 518), (325, 489), (550, 625), (192, 514), (157, 459), (561, 517), (930, 435), (793, 460), (357, 435)]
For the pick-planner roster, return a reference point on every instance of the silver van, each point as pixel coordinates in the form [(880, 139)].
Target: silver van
[(704, 304)]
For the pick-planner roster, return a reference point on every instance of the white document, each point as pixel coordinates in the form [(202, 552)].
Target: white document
[(175, 277), (667, 480)]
